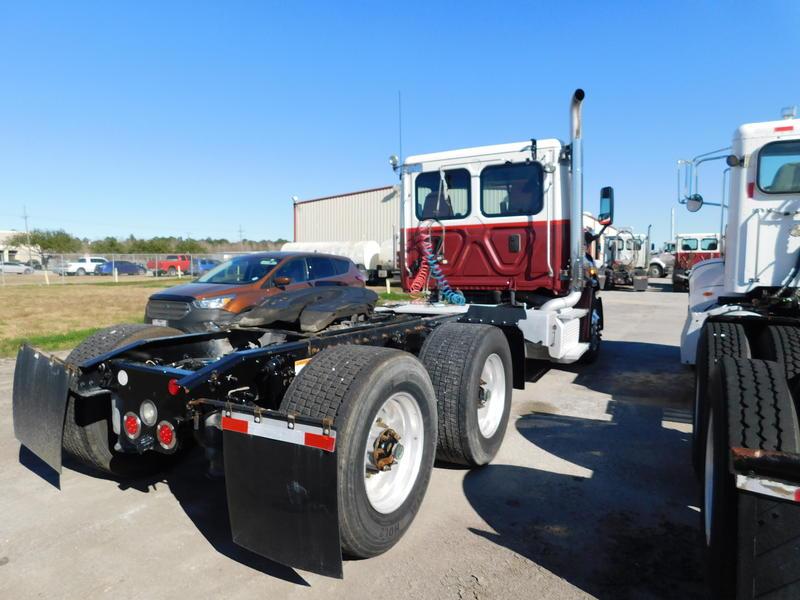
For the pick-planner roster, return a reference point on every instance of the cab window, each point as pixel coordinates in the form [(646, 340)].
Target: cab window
[(514, 189), (688, 245), (779, 167), (709, 244), (448, 199)]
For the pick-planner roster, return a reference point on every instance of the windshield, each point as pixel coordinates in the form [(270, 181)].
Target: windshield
[(708, 244), (240, 270), (779, 167)]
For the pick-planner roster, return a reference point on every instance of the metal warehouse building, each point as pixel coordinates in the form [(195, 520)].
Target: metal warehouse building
[(356, 217)]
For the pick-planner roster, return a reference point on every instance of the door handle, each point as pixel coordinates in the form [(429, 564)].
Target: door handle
[(513, 243)]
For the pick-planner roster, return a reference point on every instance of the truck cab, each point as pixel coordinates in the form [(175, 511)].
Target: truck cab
[(497, 215), (691, 249), (742, 333)]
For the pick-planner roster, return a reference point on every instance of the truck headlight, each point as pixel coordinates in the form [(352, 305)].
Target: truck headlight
[(218, 302)]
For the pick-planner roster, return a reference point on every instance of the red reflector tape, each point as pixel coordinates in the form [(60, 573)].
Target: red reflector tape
[(323, 442), (237, 425), (784, 128), (797, 495), (751, 188), (278, 429)]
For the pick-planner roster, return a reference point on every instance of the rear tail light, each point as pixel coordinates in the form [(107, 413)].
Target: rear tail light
[(133, 426), (751, 189), (173, 388), (166, 435)]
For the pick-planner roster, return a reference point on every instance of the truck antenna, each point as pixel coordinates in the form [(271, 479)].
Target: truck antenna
[(400, 124)]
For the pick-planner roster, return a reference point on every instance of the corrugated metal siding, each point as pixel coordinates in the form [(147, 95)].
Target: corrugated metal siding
[(361, 216)]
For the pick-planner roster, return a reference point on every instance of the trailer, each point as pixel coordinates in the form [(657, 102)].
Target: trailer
[(742, 333), (325, 412), (363, 226)]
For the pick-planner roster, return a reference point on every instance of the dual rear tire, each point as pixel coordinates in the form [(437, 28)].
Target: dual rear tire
[(393, 410), (751, 541)]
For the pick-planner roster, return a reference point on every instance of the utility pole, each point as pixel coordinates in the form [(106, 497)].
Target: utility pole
[(672, 225), (241, 238), (27, 231)]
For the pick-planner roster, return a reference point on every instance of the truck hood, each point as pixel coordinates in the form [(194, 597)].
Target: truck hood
[(191, 291)]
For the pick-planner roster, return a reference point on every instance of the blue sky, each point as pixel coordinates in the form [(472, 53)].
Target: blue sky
[(192, 118)]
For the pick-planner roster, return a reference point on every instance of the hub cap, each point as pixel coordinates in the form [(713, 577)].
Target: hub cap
[(393, 452), (491, 395)]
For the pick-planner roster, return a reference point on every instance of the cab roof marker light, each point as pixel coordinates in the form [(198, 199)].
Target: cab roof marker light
[(784, 128)]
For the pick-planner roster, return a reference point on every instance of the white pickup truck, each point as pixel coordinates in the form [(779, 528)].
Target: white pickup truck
[(81, 266)]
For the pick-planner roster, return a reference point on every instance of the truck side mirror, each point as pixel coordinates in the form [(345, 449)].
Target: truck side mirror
[(282, 281), (694, 203), (605, 215)]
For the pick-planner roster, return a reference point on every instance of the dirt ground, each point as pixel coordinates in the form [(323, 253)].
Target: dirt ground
[(44, 310), (591, 496)]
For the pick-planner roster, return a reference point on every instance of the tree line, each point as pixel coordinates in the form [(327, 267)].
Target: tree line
[(45, 243)]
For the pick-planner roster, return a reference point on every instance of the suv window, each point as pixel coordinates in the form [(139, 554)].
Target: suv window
[(708, 244), (779, 167), (341, 266), (295, 270), (508, 190), (689, 244), (320, 267), (97, 260), (449, 201)]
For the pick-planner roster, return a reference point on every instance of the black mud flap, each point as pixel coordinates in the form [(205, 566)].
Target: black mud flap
[(39, 403), (282, 491)]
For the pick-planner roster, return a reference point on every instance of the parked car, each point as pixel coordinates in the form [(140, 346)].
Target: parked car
[(15, 267), (123, 267), (33, 264), (239, 284), (201, 265), (82, 266), (171, 264)]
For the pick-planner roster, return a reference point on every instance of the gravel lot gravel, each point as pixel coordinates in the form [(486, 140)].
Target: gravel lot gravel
[(591, 495)]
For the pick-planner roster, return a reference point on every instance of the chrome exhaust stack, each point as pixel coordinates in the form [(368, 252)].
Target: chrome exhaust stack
[(576, 194)]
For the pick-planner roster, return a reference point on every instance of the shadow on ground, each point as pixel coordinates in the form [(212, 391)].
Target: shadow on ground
[(639, 372), (626, 531), (202, 498)]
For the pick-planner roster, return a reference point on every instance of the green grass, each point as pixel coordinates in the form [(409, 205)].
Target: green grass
[(62, 341), (53, 342), (393, 296)]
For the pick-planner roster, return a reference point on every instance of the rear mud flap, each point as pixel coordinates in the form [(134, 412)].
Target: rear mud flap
[(39, 403), (282, 491)]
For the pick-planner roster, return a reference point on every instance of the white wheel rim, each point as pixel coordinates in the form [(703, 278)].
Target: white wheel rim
[(708, 488), (493, 395), (387, 490)]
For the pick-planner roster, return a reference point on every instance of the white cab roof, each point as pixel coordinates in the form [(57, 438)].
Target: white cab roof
[(464, 153), (771, 129)]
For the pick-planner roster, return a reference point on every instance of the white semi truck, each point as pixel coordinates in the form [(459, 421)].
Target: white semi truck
[(742, 333), (626, 260)]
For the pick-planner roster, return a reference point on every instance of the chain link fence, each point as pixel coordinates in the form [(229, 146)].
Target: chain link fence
[(63, 269)]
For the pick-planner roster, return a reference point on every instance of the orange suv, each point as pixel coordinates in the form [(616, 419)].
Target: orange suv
[(239, 284)]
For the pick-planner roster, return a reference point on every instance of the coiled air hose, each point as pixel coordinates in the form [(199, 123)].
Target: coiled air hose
[(430, 266)]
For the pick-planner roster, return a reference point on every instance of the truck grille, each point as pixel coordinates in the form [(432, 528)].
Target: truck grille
[(167, 309)]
